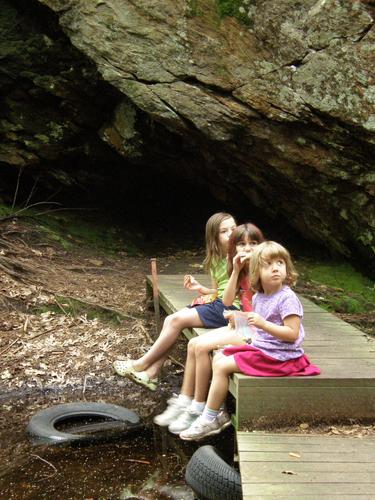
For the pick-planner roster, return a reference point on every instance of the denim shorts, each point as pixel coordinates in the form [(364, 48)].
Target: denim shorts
[(211, 314)]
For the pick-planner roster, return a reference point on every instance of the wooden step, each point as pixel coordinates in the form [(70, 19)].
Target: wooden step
[(306, 467)]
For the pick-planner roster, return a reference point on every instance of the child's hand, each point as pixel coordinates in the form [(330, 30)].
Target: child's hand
[(229, 316), (240, 260), (237, 264), (245, 256), (191, 283), (255, 319)]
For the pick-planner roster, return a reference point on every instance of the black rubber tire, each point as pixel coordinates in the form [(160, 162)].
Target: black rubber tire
[(42, 425), (211, 478)]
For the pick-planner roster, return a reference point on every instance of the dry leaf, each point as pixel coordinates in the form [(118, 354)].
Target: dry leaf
[(295, 455), (290, 472), (95, 262)]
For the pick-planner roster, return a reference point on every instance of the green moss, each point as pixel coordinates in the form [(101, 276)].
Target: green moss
[(5, 210), (194, 9), (90, 231), (81, 228), (236, 8), (342, 288)]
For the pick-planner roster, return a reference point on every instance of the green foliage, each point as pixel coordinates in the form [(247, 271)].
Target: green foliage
[(71, 228), (5, 210), (343, 289), (236, 8), (88, 230), (346, 305), (194, 9)]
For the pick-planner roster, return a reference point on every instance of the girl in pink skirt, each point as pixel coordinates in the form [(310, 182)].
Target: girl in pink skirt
[(277, 336)]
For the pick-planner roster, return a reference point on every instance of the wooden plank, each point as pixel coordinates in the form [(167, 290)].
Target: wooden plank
[(246, 440), (315, 488), (311, 456), (272, 405), (323, 445), (322, 465), (249, 475), (331, 377), (307, 496), (250, 470)]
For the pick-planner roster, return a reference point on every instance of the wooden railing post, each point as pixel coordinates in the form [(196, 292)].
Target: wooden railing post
[(155, 293)]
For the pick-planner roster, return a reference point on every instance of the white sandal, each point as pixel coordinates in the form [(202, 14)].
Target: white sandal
[(122, 366), (125, 368), (142, 378)]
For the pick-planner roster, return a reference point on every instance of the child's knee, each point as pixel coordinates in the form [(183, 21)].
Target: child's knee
[(201, 348), (192, 344), (173, 320), (217, 356), (221, 366), (217, 361)]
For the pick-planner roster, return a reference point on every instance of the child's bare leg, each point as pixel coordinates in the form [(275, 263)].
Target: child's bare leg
[(154, 369), (173, 325), (188, 383), (223, 367), (204, 345)]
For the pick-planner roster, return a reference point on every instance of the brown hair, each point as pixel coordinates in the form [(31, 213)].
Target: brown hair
[(270, 250), (213, 247), (244, 232)]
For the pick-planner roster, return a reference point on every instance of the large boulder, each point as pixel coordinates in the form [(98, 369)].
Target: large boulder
[(272, 100)]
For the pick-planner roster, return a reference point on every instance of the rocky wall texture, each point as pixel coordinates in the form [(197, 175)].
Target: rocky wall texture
[(274, 102)]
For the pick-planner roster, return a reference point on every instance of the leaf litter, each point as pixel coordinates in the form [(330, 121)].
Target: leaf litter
[(67, 325)]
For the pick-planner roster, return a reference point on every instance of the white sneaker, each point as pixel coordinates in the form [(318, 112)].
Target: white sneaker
[(173, 410), (184, 421), (201, 428)]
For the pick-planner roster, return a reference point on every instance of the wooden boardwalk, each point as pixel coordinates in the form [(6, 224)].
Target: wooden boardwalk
[(345, 389), (306, 467), (300, 466)]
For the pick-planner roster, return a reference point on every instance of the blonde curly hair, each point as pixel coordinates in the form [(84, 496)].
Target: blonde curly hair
[(266, 251)]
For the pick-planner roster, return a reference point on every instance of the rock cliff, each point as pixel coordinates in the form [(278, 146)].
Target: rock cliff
[(270, 100)]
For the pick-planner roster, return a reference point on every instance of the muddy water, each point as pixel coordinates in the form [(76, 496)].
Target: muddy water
[(148, 463)]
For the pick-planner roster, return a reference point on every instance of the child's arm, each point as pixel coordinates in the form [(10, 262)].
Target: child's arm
[(231, 288), (190, 283), (289, 332)]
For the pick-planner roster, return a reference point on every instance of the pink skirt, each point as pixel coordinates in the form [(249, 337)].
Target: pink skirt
[(252, 361)]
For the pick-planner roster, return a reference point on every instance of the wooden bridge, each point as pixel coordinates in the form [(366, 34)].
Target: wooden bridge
[(344, 392)]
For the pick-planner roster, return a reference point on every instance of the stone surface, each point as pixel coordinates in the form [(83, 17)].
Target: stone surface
[(280, 109)]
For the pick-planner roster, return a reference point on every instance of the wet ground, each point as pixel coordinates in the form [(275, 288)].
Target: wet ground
[(147, 463)]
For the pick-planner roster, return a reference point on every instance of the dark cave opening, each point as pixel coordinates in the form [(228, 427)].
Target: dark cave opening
[(168, 212)]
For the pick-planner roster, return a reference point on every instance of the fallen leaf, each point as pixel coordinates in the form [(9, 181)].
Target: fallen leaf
[(95, 262), (295, 455), (290, 472)]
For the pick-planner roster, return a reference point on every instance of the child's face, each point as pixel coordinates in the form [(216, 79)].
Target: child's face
[(273, 274), (245, 248), (225, 230)]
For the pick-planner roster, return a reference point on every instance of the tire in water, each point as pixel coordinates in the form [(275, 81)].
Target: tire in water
[(211, 478), (42, 425)]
